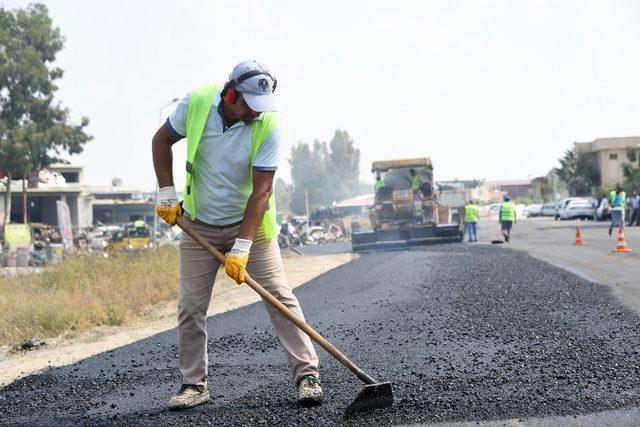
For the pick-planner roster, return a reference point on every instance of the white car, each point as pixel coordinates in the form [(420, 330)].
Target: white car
[(578, 209), (494, 211), (603, 212), (533, 211), (172, 241), (549, 209), (562, 206)]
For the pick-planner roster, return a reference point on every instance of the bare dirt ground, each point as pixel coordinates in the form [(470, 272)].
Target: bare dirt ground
[(226, 296)]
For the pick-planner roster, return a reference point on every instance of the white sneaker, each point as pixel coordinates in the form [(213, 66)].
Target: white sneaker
[(187, 397), (309, 391)]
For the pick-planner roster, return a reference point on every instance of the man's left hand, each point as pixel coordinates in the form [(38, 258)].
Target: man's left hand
[(236, 260)]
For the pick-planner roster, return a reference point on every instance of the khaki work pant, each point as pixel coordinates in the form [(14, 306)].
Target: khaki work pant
[(198, 269)]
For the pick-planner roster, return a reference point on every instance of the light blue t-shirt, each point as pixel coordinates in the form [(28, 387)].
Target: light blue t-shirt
[(222, 164)]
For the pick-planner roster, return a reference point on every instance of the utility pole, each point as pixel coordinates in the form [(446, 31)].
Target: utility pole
[(25, 215), (306, 205)]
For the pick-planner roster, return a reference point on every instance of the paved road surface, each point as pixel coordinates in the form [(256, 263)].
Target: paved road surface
[(552, 241), (464, 332)]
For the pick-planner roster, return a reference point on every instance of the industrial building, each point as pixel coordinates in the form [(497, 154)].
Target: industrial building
[(88, 205), (610, 154)]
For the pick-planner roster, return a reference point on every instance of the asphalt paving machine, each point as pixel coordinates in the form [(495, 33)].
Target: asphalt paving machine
[(406, 209)]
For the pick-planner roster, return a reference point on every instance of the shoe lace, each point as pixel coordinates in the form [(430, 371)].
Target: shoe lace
[(311, 381)]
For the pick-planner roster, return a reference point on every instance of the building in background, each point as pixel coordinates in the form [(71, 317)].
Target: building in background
[(88, 205), (538, 189), (60, 182), (459, 192), (117, 204), (358, 205), (514, 188), (611, 154)]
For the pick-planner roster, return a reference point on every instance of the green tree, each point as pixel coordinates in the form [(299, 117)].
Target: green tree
[(282, 191), (308, 175), (631, 170), (579, 171), (325, 172), (34, 129), (343, 166)]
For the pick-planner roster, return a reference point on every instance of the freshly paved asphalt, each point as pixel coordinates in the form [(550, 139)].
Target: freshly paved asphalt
[(464, 332)]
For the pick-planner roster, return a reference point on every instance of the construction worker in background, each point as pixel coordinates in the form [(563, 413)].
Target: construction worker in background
[(414, 178), (635, 209), (618, 201), (507, 217), (379, 182), (233, 140), (471, 221)]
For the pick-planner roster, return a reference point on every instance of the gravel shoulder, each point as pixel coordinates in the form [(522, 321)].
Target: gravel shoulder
[(226, 296), (466, 333)]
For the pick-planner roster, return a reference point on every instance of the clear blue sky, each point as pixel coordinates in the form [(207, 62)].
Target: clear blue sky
[(487, 89)]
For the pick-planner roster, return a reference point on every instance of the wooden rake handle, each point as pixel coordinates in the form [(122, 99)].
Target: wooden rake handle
[(366, 378)]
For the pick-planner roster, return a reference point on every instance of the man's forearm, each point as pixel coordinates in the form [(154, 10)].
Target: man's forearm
[(162, 155), (163, 163), (254, 213)]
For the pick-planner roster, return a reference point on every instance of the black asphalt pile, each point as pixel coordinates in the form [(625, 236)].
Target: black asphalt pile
[(465, 333)]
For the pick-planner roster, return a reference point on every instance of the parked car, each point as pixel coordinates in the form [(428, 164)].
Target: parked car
[(494, 211), (549, 209), (562, 206), (581, 209), (533, 211), (602, 212)]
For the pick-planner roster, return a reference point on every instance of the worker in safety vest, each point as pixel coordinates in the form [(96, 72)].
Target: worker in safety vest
[(507, 217), (379, 182), (233, 140), (415, 180), (618, 202), (471, 221)]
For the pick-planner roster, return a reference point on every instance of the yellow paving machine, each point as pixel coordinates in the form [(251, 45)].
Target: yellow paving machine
[(406, 209)]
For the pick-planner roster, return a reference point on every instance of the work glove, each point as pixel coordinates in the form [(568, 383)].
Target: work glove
[(168, 207), (236, 263)]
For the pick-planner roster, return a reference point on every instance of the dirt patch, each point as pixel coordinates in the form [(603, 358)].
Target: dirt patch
[(226, 296)]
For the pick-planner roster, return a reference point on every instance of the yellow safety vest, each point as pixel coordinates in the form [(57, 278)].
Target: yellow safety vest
[(508, 210), (200, 105), (613, 196), (471, 213), (415, 182)]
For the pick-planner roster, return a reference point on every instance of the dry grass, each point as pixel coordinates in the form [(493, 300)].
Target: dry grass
[(81, 293)]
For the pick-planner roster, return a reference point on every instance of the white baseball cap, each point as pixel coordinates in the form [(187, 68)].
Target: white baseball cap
[(256, 84)]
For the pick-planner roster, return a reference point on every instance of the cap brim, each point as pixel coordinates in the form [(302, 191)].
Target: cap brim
[(261, 103)]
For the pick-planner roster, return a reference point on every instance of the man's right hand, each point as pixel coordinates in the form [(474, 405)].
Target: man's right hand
[(168, 207)]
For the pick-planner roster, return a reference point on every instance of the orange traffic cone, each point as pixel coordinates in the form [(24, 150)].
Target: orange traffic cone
[(579, 239), (622, 242)]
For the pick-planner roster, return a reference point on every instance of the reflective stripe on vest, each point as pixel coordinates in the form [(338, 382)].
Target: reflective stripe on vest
[(508, 210), (471, 213), (200, 106)]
